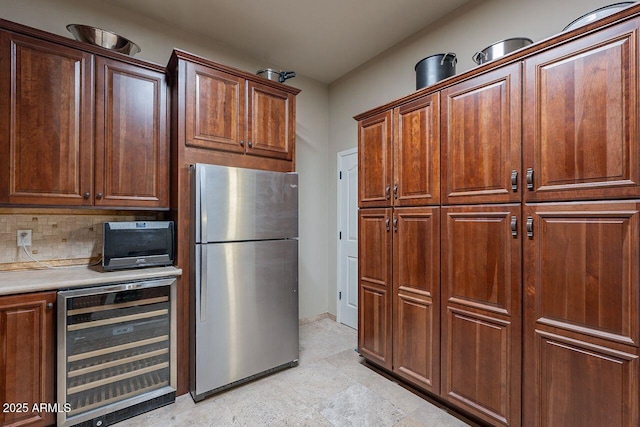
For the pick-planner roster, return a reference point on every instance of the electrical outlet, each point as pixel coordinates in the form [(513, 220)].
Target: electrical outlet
[(23, 236)]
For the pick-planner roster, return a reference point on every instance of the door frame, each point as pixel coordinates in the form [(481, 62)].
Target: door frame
[(340, 155)]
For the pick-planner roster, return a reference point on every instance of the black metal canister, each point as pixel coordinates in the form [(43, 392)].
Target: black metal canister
[(434, 68)]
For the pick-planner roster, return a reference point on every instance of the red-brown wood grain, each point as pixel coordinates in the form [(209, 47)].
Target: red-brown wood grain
[(581, 105), (416, 152), (46, 138), (481, 141), (481, 311), (375, 163), (131, 144), (581, 314), (416, 296), (27, 357), (375, 286)]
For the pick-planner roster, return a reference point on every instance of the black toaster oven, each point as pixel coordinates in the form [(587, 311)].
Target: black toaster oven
[(137, 244)]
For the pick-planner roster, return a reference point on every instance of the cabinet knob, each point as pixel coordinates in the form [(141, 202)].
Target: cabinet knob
[(250, 144), (86, 195), (387, 192), (99, 196), (395, 191), (49, 305)]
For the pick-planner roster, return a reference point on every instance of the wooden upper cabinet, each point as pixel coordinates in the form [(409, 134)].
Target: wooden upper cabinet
[(582, 337), (416, 296), (375, 164), (481, 310), (214, 108), (270, 122), (27, 359), (131, 158), (416, 152), (45, 122), (581, 110), (375, 286), (481, 126)]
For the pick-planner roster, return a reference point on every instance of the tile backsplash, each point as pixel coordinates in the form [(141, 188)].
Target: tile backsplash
[(64, 239)]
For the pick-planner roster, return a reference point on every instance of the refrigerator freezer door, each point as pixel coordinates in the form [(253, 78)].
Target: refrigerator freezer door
[(235, 204), (251, 311)]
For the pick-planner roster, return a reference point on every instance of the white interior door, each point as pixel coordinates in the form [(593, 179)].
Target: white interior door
[(348, 238)]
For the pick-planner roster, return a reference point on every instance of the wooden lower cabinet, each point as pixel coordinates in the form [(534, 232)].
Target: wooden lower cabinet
[(27, 358), (374, 286), (581, 320), (481, 311), (416, 296)]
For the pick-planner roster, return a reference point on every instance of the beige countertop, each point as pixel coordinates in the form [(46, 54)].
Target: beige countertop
[(20, 282)]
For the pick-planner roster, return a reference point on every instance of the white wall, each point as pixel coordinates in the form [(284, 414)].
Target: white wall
[(157, 41), (389, 76)]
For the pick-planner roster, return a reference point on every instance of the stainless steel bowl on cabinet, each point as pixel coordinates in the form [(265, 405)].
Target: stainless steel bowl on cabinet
[(500, 49)]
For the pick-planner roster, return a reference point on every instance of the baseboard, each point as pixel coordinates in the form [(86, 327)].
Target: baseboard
[(317, 317)]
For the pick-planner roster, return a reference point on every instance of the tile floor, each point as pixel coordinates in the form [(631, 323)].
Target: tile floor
[(330, 387)]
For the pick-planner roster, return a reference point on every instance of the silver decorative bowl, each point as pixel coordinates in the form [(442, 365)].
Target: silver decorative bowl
[(106, 39)]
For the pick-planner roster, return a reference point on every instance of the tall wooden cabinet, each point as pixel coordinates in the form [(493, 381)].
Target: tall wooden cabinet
[(27, 358), (78, 128), (539, 258), (481, 310), (399, 240), (582, 288)]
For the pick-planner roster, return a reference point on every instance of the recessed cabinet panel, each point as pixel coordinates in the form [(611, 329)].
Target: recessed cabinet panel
[(417, 152), (581, 138), (375, 166), (214, 109), (481, 138), (131, 144), (580, 384), (587, 269), (271, 122), (478, 359), (481, 257), (47, 122)]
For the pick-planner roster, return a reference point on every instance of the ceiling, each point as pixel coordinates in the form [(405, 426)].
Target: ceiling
[(321, 39)]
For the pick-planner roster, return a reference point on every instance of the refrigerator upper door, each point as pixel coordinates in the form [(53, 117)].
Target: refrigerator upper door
[(235, 204)]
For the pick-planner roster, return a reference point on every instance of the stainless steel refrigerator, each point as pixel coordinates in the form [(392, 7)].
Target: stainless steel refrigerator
[(245, 280)]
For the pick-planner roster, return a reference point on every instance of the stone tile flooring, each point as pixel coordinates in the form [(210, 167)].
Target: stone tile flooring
[(330, 387)]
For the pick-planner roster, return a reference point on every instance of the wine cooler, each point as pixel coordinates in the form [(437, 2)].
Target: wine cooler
[(116, 351)]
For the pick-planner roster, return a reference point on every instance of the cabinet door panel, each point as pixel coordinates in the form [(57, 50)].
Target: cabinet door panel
[(416, 296), (214, 109), (481, 257), (481, 126), (375, 166), (27, 362), (417, 152), (585, 268), (580, 384), (271, 122), (46, 131), (375, 286), (581, 318), (481, 306), (479, 358), (131, 136), (581, 140)]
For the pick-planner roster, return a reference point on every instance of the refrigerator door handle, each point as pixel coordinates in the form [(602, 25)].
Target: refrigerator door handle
[(203, 206), (203, 283)]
